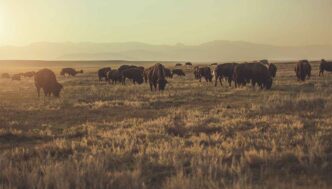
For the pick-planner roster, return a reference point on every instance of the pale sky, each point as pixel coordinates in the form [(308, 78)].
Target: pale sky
[(279, 22)]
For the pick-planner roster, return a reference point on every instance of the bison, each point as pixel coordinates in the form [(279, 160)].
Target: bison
[(156, 77), (178, 64), (125, 67), (134, 74), (188, 64), (17, 77), (115, 76), (178, 72), (102, 73), (45, 79), (324, 66), (5, 76), (70, 72), (205, 72), (303, 70), (254, 72), (28, 74), (224, 71)]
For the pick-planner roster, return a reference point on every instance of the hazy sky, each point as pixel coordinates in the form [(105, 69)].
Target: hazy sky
[(281, 22)]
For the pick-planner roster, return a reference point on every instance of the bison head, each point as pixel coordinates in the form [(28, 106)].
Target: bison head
[(268, 83), (162, 84), (57, 89)]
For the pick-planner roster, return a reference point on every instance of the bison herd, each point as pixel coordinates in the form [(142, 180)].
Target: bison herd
[(259, 73)]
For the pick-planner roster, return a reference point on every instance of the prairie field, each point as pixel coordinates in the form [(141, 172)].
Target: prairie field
[(192, 135)]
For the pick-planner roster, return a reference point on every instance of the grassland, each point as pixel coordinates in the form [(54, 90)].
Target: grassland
[(193, 135)]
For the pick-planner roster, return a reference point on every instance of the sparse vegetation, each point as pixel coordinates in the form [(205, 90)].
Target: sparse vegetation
[(192, 135)]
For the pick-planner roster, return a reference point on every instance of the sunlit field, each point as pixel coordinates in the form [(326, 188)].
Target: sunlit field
[(193, 135)]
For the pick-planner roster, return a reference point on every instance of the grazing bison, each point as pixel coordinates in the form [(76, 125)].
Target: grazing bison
[(70, 72), (115, 76), (28, 74), (156, 77), (205, 72), (178, 72), (224, 71), (303, 70), (102, 73), (134, 74), (273, 70), (254, 72), (178, 64), (324, 66), (17, 77), (45, 79), (5, 76), (168, 73)]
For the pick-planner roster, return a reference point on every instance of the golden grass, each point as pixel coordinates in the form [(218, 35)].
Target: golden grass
[(193, 135)]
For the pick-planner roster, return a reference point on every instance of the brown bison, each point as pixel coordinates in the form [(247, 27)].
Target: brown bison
[(168, 73), (188, 64), (5, 76), (273, 70), (102, 73), (205, 72), (303, 70), (45, 79), (324, 66), (135, 74), (70, 72), (178, 72), (156, 77), (254, 72), (28, 74), (224, 71), (17, 77), (125, 67), (178, 64), (115, 76)]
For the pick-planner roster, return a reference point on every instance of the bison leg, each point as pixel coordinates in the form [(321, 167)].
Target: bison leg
[(38, 91), (230, 81)]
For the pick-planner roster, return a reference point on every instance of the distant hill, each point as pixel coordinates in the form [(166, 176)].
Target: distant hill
[(216, 51)]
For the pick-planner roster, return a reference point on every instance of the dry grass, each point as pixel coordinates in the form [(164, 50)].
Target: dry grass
[(193, 135)]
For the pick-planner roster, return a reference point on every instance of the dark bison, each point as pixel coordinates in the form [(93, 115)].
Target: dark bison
[(224, 71), (17, 77), (168, 73), (178, 64), (134, 74), (205, 72), (125, 67), (178, 72), (28, 74), (188, 64), (254, 72), (102, 73), (273, 70), (114, 76), (324, 66), (5, 76), (45, 79), (70, 72), (303, 70), (156, 77)]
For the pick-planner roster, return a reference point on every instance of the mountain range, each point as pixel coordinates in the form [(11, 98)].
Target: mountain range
[(216, 51)]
